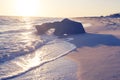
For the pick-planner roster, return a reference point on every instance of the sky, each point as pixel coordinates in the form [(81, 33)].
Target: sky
[(59, 8)]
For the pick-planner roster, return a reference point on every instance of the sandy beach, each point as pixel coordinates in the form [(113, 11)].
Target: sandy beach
[(97, 54), (94, 55)]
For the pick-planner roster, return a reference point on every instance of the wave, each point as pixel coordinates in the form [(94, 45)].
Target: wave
[(21, 65), (12, 49)]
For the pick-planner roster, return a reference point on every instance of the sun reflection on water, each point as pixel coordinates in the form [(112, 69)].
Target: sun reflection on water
[(29, 61)]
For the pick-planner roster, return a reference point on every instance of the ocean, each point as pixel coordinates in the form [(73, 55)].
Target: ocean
[(24, 55)]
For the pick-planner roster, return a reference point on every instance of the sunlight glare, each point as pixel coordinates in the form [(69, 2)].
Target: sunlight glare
[(27, 7)]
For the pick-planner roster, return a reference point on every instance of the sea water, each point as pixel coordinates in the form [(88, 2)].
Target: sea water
[(24, 55)]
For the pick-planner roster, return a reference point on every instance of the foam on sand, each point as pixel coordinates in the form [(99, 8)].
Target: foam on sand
[(21, 65)]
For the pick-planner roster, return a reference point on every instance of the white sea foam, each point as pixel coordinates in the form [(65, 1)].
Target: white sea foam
[(86, 25), (49, 52)]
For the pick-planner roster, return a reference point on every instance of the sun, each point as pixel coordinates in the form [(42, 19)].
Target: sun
[(27, 7)]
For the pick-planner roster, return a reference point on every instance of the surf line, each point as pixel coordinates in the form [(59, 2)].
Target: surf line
[(42, 63)]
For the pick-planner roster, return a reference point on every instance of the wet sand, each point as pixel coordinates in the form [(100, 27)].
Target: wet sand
[(97, 63), (98, 53)]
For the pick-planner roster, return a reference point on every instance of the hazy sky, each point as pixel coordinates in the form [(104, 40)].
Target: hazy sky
[(59, 8)]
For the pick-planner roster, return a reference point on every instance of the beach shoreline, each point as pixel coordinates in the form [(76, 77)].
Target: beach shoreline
[(90, 56)]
